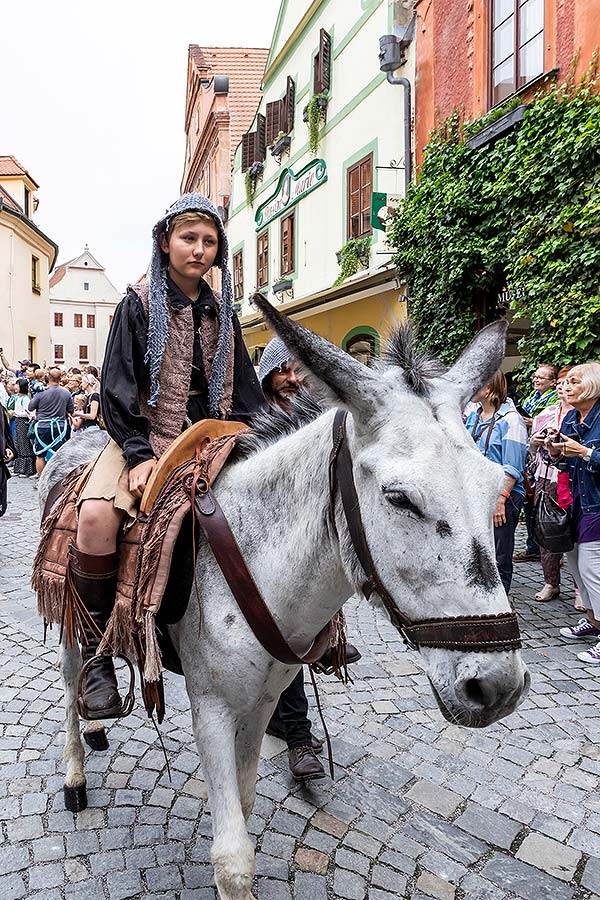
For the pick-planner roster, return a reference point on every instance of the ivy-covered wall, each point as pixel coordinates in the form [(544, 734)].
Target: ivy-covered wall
[(522, 214)]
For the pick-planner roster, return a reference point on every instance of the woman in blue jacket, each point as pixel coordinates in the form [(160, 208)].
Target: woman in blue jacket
[(577, 450)]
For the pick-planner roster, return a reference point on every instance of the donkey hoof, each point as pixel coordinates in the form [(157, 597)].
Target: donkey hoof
[(75, 798), (97, 740)]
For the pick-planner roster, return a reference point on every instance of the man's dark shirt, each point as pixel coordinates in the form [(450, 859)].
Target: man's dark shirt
[(125, 375), (53, 403)]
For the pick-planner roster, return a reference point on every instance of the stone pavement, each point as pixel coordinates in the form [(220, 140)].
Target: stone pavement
[(419, 809)]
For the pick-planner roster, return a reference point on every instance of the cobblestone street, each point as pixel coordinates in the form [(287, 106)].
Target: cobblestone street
[(419, 808)]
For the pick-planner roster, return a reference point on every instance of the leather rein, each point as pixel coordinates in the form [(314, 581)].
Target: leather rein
[(484, 633)]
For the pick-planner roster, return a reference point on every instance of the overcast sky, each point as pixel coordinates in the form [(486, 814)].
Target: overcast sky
[(93, 101)]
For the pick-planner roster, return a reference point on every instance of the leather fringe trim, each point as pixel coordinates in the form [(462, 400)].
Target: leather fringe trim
[(152, 665), (118, 640), (337, 643), (50, 597)]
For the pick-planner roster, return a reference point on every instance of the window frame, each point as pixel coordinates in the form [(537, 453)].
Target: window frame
[(86, 285), (262, 250), (84, 358), (290, 270), (58, 320), (238, 275), (90, 320), (35, 274), (77, 320), (59, 357), (364, 211), (516, 50)]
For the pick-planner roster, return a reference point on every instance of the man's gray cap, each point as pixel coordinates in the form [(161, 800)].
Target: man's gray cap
[(274, 355)]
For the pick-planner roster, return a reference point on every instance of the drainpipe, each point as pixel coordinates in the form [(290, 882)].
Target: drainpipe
[(407, 127)]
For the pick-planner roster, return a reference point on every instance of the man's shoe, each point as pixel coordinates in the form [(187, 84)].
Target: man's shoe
[(304, 765), (95, 580), (525, 556), (591, 656), (325, 665), (277, 729), (584, 629)]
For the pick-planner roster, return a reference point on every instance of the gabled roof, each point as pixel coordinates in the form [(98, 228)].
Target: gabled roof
[(78, 262), (10, 201), (245, 67), (10, 166)]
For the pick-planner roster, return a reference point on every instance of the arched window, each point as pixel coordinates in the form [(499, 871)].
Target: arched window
[(362, 343)]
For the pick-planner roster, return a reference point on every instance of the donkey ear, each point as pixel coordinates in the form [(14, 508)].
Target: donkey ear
[(349, 381), (478, 362)]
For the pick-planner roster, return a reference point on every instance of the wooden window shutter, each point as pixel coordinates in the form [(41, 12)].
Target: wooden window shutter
[(322, 64), (325, 55), (289, 105), (261, 142), (247, 150), (273, 121)]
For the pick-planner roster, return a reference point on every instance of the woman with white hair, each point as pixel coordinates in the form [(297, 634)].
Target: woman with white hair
[(577, 450)]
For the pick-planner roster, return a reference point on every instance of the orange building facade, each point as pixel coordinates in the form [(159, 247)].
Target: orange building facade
[(473, 55), (223, 92)]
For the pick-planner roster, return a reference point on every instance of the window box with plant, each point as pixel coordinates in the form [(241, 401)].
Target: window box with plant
[(251, 178), (315, 114), (281, 145), (353, 257)]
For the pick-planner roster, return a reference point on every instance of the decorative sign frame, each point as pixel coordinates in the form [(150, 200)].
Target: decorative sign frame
[(291, 188)]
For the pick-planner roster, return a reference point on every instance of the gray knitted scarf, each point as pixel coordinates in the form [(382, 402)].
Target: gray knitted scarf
[(158, 311)]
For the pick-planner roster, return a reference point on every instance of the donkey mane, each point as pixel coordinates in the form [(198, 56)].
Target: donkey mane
[(271, 425), (418, 367)]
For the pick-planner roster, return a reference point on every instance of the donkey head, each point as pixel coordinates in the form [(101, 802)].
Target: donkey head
[(426, 497)]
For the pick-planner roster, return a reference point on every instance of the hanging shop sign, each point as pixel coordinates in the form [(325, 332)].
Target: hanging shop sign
[(290, 189), (383, 209)]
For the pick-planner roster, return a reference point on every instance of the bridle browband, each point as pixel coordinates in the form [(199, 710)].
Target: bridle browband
[(466, 633)]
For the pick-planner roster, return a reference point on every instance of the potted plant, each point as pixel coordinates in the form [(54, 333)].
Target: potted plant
[(353, 257), (281, 144), (314, 115), (252, 176), (282, 285)]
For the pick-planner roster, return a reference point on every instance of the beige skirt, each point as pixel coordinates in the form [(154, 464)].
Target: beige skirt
[(109, 480)]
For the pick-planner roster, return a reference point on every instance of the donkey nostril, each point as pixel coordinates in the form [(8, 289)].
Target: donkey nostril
[(473, 692)]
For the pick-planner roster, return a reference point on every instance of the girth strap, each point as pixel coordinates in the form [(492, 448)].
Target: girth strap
[(483, 633), (242, 585)]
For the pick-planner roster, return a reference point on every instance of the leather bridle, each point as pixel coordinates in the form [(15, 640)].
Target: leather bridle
[(484, 633)]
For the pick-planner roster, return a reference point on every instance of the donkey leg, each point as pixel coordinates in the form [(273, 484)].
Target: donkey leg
[(74, 789), (94, 734), (232, 852), (248, 742)]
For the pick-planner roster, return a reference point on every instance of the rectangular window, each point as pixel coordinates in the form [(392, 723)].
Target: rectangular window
[(288, 263), (58, 320), (86, 285), (83, 353), (77, 320), (27, 203), (322, 64), (359, 190), (59, 353), (517, 42), (35, 275), (262, 259), (238, 275), (91, 321)]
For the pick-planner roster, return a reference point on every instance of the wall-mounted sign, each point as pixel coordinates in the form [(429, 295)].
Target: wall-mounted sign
[(290, 189), (383, 208)]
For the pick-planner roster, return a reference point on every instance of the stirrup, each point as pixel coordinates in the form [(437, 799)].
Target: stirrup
[(127, 704)]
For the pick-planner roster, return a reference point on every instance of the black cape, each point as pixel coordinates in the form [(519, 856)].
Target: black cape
[(125, 374)]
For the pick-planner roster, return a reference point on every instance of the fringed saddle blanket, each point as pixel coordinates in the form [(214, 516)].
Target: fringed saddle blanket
[(145, 553)]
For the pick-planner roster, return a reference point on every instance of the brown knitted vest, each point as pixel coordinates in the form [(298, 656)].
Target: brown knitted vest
[(167, 418)]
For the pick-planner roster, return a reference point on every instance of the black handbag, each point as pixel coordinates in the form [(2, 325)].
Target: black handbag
[(551, 523)]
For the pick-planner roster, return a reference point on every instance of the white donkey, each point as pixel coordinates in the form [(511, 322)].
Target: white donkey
[(426, 496)]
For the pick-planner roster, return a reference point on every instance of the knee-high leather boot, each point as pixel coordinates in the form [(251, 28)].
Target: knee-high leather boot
[(95, 579)]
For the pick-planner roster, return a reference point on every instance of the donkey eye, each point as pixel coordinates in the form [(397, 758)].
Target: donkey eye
[(401, 501)]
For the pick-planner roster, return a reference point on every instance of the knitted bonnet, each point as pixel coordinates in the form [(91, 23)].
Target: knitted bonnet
[(274, 355), (158, 311)]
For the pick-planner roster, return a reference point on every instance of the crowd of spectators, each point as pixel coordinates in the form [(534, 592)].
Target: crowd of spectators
[(548, 443), (45, 406)]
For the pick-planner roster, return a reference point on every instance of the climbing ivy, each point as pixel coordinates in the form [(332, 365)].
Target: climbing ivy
[(316, 113), (521, 215)]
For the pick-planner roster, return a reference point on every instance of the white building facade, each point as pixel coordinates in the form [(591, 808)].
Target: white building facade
[(82, 304), (311, 202)]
